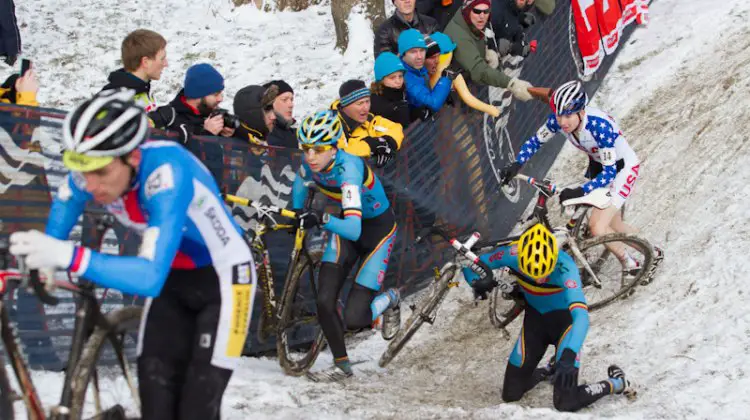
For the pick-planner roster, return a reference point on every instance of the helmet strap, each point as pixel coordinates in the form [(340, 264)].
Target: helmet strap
[(132, 181)]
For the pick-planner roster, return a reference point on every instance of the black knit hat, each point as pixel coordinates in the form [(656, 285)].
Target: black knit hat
[(432, 46), (351, 91), (284, 87)]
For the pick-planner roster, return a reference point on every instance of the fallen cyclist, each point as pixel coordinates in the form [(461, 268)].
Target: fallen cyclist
[(556, 314)]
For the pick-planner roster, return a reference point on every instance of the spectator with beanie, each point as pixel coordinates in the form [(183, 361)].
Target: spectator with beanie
[(190, 111), (284, 134), (253, 105), (388, 96), (10, 37), (405, 17), (144, 57), (412, 49), (466, 29), (365, 134), (432, 56)]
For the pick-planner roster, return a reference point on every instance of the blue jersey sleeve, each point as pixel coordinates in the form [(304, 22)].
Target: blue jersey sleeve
[(500, 257), (350, 227), (535, 142), (567, 275), (67, 207), (299, 190), (605, 137), (167, 199)]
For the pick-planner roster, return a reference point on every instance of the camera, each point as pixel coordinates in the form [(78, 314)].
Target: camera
[(230, 121)]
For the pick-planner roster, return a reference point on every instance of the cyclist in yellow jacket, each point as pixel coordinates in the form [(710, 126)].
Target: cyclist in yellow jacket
[(366, 135)]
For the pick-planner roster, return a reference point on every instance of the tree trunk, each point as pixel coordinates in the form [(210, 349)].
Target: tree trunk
[(340, 10), (296, 5)]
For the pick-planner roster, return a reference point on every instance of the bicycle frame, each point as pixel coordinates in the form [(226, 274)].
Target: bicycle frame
[(262, 228), (88, 315)]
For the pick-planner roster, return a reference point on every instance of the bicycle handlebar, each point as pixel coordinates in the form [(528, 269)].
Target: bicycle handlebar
[(250, 203), (463, 249), (40, 290), (547, 187)]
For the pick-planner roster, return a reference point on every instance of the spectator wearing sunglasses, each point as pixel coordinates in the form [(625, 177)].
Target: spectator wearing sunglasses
[(466, 29), (253, 105)]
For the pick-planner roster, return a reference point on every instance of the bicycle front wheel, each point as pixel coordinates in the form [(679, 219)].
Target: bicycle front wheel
[(425, 310), (103, 384), (299, 337), (602, 274)]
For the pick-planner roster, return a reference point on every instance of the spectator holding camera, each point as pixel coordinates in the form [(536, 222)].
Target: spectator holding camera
[(20, 90), (283, 134), (413, 49), (195, 109), (405, 17), (144, 57), (253, 105), (466, 29), (388, 98), (510, 19), (365, 134)]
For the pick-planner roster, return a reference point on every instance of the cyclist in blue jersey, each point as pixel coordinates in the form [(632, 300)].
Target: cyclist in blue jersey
[(364, 230), (555, 314), (612, 163), (193, 263)]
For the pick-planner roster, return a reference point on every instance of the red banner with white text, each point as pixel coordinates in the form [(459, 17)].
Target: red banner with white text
[(599, 25)]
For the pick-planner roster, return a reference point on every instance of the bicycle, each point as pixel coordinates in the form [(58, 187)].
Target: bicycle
[(92, 332), (293, 316), (586, 253)]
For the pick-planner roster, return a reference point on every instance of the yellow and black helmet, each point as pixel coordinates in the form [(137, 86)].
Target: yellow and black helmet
[(537, 252), (320, 129)]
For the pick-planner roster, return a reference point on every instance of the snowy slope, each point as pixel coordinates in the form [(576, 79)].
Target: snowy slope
[(679, 92), (75, 45)]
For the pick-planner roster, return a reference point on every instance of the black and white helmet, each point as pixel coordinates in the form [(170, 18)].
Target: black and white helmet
[(569, 98), (108, 125)]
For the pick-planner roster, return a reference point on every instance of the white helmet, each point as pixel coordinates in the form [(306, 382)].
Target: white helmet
[(106, 126), (569, 98)]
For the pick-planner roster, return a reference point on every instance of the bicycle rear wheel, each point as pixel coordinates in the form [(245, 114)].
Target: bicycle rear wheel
[(299, 337), (601, 272), (424, 311), (114, 392)]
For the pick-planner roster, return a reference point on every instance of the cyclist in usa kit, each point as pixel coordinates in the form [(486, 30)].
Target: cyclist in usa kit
[(364, 230), (555, 314), (193, 262), (612, 162)]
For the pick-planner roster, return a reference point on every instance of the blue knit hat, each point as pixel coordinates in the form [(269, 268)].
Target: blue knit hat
[(202, 80), (445, 42), (410, 38), (387, 63)]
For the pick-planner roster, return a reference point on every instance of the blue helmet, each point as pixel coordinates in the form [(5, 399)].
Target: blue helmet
[(321, 128), (570, 98)]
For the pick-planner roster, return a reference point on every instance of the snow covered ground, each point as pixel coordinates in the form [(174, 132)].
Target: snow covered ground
[(74, 46), (680, 94)]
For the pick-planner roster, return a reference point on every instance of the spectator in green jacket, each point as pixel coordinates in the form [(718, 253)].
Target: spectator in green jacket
[(466, 29)]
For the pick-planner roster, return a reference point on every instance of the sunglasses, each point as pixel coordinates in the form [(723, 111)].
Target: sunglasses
[(481, 11), (318, 149)]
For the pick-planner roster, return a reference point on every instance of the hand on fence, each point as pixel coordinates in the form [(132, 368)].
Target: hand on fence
[(520, 89)]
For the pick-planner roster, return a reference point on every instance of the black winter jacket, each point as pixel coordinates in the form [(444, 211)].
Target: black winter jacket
[(179, 117), (506, 23), (392, 105), (386, 36), (284, 134)]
